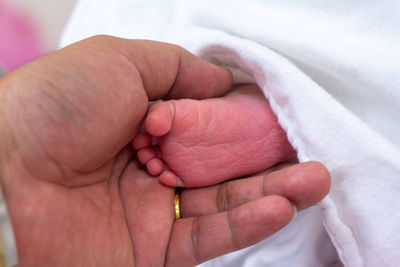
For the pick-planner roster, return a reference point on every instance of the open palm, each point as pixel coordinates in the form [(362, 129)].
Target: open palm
[(74, 192)]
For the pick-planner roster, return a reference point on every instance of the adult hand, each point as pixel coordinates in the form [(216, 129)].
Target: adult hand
[(74, 195), (218, 219)]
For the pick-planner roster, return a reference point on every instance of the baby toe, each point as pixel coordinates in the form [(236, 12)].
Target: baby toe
[(146, 154), (171, 179), (141, 140), (154, 166)]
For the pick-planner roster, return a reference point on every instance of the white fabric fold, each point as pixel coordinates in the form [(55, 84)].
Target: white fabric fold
[(331, 72)]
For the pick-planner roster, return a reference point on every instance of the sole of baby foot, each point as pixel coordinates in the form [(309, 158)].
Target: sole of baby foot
[(209, 141)]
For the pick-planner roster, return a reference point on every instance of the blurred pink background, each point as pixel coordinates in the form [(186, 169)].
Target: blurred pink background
[(30, 29), (19, 41)]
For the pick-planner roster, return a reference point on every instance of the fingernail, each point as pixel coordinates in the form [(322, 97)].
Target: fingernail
[(179, 182), (294, 212)]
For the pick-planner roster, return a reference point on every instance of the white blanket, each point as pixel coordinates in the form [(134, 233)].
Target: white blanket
[(331, 71)]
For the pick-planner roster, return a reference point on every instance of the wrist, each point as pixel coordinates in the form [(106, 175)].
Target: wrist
[(8, 251), (5, 130)]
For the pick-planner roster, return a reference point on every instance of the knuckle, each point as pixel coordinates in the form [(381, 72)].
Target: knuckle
[(264, 188), (222, 198), (195, 237), (233, 230)]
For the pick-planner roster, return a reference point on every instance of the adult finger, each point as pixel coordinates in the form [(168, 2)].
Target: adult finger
[(149, 215), (303, 184), (168, 70), (197, 239)]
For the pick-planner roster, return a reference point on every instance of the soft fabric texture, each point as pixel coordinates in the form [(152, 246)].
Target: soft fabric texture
[(331, 71)]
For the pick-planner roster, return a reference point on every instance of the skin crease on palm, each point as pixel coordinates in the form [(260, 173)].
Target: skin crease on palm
[(75, 195)]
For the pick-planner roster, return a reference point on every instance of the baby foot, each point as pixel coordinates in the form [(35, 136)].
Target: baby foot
[(195, 143)]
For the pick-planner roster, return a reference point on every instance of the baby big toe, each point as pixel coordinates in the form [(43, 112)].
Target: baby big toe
[(159, 120)]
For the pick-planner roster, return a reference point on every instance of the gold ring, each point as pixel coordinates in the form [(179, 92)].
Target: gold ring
[(177, 202)]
